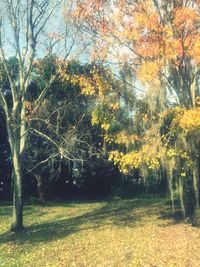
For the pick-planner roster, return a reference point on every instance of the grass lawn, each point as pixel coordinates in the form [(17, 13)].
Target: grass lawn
[(136, 232)]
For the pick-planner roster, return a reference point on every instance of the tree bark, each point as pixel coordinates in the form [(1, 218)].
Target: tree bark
[(17, 220), (15, 139), (196, 177)]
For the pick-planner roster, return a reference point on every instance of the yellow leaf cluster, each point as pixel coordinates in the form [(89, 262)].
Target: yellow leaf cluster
[(99, 118), (105, 126), (122, 138), (86, 84), (135, 159), (189, 121), (149, 71), (95, 120)]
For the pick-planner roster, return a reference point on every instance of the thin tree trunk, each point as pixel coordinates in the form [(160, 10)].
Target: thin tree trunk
[(40, 189), (181, 193), (171, 189), (104, 148), (196, 186)]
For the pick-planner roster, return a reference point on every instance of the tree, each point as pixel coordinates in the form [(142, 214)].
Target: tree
[(67, 125), (27, 24), (160, 41)]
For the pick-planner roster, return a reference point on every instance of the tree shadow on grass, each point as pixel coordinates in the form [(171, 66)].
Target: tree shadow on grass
[(5, 211), (120, 213)]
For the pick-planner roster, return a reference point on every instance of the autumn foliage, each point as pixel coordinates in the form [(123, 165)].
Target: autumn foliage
[(160, 41)]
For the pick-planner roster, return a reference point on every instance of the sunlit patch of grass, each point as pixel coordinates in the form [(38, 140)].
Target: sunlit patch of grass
[(134, 232)]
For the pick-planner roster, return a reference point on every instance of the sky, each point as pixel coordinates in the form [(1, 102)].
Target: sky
[(53, 30)]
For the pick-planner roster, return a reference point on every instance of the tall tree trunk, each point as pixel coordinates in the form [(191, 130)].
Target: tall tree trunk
[(196, 178), (17, 220), (16, 139), (171, 189)]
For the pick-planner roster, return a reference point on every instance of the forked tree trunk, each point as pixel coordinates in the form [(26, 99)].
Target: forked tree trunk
[(32, 22)]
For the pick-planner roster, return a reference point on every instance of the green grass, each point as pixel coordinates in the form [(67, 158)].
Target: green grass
[(137, 232)]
